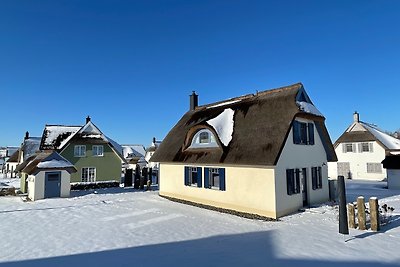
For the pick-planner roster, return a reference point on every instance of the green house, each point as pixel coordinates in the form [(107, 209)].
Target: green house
[(96, 157)]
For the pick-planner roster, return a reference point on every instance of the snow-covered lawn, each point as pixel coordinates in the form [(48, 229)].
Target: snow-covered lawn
[(125, 227)]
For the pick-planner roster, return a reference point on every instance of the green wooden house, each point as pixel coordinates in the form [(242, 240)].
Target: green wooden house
[(96, 157)]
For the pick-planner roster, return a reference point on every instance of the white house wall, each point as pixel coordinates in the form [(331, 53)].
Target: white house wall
[(248, 189), (300, 156), (358, 162)]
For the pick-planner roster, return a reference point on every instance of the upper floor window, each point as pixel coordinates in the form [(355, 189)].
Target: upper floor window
[(349, 147), (98, 150), (203, 138), (303, 133), (366, 147), (80, 151)]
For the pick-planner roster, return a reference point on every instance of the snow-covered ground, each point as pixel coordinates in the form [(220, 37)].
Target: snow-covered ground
[(125, 227)]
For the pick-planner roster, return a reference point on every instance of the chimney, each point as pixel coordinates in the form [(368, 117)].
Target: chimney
[(87, 119), (194, 100), (356, 117), (26, 135), (154, 140)]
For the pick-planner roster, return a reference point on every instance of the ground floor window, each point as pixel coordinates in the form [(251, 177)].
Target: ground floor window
[(316, 177), (374, 167), (193, 176), (293, 181), (214, 178), (88, 174)]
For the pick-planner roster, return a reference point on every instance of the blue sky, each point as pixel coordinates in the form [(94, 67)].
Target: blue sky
[(131, 65)]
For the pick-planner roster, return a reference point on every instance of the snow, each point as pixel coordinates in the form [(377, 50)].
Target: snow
[(127, 227), (54, 163), (389, 141), (309, 108), (223, 125), (133, 150), (224, 103), (54, 131)]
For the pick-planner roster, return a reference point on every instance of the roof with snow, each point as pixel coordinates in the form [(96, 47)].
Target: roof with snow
[(251, 129), (364, 132), (136, 151), (30, 146), (14, 157), (46, 161), (56, 137)]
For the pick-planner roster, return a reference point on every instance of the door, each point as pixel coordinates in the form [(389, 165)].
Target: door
[(304, 186), (343, 169), (52, 184)]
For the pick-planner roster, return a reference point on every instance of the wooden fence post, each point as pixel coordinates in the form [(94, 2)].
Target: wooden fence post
[(374, 213), (362, 225), (352, 216)]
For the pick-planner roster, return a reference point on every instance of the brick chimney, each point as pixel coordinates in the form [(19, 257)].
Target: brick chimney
[(194, 100), (26, 135), (356, 117), (87, 119)]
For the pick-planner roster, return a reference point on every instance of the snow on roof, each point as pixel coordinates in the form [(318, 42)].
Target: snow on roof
[(309, 108), (57, 136), (30, 146), (389, 141), (224, 103), (133, 150), (223, 125), (54, 163)]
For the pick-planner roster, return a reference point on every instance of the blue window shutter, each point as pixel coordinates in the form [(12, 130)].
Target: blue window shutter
[(319, 177), (186, 175), (314, 178), (296, 132), (310, 133), (199, 177), (289, 181), (206, 177), (222, 179)]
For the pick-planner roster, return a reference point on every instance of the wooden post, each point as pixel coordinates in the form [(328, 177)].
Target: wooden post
[(352, 215), (374, 213), (343, 222), (361, 213)]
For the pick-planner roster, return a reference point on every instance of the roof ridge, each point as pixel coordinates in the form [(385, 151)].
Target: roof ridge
[(63, 125)]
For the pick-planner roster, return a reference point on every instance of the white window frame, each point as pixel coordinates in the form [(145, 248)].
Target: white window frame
[(88, 178), (213, 171), (374, 167), (80, 151), (196, 142), (346, 147), (191, 171), (96, 149)]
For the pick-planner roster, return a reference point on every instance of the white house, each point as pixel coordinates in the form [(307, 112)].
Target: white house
[(360, 151), (263, 154)]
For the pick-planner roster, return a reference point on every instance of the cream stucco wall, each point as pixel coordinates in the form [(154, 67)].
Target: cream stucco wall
[(358, 162), (300, 156), (393, 179), (36, 185), (248, 189)]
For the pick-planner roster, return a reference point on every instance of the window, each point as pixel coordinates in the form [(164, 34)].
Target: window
[(203, 139), (349, 147), (303, 133), (293, 181), (80, 151), (374, 168), (88, 174), (214, 178), (365, 147), (316, 177), (97, 150), (193, 176)]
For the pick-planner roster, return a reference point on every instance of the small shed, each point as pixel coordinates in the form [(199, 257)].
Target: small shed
[(48, 175), (392, 164)]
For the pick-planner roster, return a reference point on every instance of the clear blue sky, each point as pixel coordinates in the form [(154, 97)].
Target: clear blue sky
[(131, 65)]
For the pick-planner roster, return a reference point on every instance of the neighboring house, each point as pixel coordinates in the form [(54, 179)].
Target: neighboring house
[(132, 154), (7, 166), (96, 157), (392, 164), (360, 151), (12, 164), (263, 153), (47, 174), (149, 153)]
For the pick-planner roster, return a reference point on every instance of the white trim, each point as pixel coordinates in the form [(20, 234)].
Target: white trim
[(97, 148), (95, 174), (78, 155)]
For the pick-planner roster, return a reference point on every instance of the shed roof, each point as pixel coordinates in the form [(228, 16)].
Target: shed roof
[(49, 160), (261, 122)]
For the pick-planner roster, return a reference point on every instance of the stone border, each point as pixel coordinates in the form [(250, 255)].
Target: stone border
[(223, 210)]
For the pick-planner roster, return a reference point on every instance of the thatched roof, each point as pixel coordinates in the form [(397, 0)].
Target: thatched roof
[(14, 156), (49, 160), (262, 123)]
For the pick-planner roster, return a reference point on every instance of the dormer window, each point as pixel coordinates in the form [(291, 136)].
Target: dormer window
[(204, 138)]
